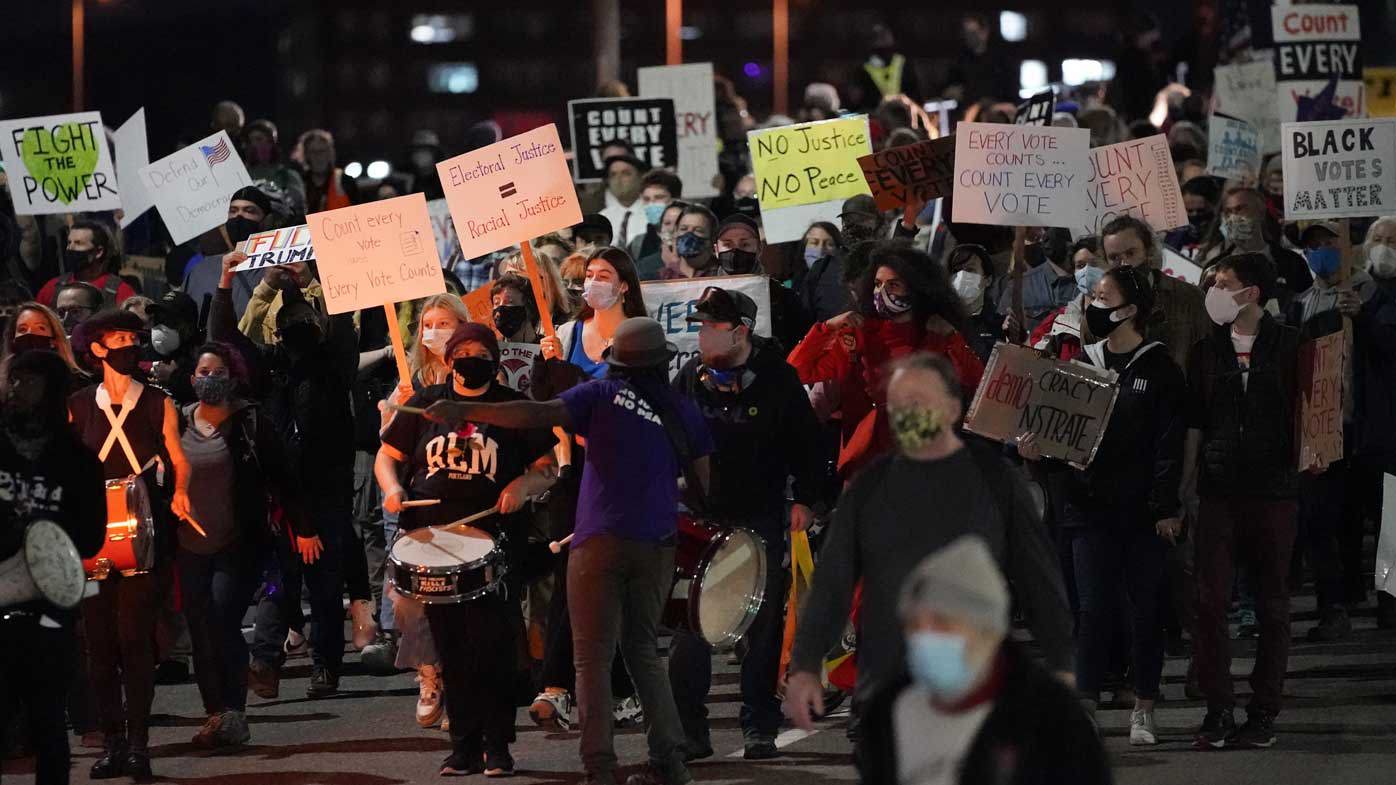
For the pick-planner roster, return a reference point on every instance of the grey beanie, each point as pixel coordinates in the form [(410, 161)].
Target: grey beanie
[(961, 580)]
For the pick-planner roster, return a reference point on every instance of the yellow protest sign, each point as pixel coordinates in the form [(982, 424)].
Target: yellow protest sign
[(809, 163), (1381, 91)]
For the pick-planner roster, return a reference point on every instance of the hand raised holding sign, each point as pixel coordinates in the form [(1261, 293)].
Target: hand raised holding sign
[(231, 260)]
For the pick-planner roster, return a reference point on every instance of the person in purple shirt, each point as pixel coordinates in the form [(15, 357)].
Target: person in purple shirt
[(641, 436)]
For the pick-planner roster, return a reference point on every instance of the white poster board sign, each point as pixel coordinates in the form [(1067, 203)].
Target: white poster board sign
[(691, 87), (671, 302), (1339, 169), (1134, 178), (1176, 265), (58, 164), (1247, 91), (192, 187), (1020, 175), (132, 154), (277, 247)]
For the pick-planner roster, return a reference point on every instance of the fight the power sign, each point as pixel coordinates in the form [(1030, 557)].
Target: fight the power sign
[(58, 164)]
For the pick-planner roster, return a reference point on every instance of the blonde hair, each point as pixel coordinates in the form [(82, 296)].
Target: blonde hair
[(426, 366), (61, 345)]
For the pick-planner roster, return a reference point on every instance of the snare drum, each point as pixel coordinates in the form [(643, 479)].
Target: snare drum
[(130, 546), (445, 564), (719, 581)]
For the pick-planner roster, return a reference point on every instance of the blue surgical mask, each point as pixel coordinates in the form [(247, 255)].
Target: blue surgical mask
[(690, 244), (1087, 277), (1324, 261), (654, 211), (813, 253), (936, 661)]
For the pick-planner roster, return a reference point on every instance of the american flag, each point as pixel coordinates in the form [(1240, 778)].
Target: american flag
[(217, 153)]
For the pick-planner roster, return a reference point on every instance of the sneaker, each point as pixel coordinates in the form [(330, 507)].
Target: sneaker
[(1142, 730), (207, 737), (322, 683), (295, 644), (552, 709), (430, 707), (628, 712), (264, 680), (234, 731), (499, 764), (1217, 727), (459, 764), (1333, 625), (1257, 733), (1247, 626), (380, 657), (651, 775), (365, 628), (760, 748)]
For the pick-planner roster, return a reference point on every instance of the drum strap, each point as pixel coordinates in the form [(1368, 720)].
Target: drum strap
[(118, 434)]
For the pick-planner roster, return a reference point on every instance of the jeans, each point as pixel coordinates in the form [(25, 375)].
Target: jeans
[(1123, 559), (36, 665), (1260, 533), (1320, 519), (691, 664), (615, 590), (280, 603), (478, 648), (120, 626), (558, 669), (217, 589)]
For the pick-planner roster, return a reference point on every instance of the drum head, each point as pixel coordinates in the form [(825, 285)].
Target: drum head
[(729, 590), (443, 546), (54, 563)]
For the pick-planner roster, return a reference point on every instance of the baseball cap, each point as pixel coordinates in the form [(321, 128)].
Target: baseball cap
[(724, 305), (862, 204)]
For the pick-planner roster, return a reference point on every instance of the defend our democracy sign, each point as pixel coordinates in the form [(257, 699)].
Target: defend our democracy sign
[(192, 187), (58, 164), (648, 125), (1339, 169)]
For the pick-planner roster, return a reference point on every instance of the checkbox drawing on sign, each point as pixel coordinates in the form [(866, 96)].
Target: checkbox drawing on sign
[(411, 243)]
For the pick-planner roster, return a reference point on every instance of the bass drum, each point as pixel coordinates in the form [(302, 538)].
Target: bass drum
[(719, 581), (130, 546)]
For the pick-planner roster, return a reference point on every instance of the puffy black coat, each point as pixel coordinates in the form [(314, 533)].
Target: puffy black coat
[(1374, 376)]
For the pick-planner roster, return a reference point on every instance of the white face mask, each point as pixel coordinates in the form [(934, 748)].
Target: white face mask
[(1222, 306), (164, 340), (970, 286), (435, 340), (1381, 261), (600, 295)]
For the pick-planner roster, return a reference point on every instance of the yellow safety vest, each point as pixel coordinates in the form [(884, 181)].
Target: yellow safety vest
[(888, 78)]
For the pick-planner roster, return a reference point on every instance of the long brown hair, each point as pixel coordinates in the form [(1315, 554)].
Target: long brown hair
[(634, 302)]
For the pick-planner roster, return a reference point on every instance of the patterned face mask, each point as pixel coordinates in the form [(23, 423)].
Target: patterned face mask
[(914, 427)]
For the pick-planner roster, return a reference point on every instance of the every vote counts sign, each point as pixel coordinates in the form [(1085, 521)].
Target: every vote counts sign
[(376, 253), (58, 164), (1021, 175), (1339, 169)]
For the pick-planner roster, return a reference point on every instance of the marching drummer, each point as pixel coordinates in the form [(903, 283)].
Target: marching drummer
[(455, 472)]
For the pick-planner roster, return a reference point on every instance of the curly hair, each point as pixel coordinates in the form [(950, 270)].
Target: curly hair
[(926, 282)]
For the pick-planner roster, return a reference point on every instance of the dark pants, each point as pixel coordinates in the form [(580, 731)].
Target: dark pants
[(1320, 520), (280, 603), (558, 669), (216, 591), (120, 626), (368, 525), (1114, 562), (616, 590), (1361, 502), (36, 665), (691, 663), (478, 645), (1259, 533)]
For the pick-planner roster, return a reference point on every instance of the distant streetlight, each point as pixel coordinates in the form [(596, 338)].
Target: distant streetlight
[(379, 169)]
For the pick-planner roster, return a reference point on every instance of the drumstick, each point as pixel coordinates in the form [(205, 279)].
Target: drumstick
[(556, 545), (196, 525), (469, 519), (420, 503), (405, 409)]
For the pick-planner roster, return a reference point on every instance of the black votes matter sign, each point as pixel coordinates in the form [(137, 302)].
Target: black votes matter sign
[(648, 125)]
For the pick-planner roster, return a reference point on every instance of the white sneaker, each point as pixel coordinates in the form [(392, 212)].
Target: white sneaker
[(552, 709), (430, 706), (629, 713), (295, 644), (1142, 730)]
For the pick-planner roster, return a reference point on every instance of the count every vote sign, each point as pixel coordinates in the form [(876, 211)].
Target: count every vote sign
[(1018, 175)]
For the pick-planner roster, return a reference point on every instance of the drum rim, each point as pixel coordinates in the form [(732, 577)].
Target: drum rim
[(752, 601), (446, 599), (494, 556), (44, 525)]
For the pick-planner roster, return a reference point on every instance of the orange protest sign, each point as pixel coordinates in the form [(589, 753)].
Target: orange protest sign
[(477, 304), (376, 253), (545, 314)]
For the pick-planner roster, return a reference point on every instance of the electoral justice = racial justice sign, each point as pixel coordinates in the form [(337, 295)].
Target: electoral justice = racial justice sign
[(648, 125), (58, 164), (804, 172), (1340, 169), (1133, 178), (376, 253), (509, 192), (1021, 175)]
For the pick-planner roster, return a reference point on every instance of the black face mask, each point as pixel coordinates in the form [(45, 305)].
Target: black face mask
[(32, 342), (1034, 254), (1099, 321), (509, 319), (301, 338), (737, 262), (1200, 219), (241, 227), (474, 372), (76, 260), (124, 360)]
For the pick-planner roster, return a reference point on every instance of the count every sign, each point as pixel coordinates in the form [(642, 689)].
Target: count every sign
[(1339, 169)]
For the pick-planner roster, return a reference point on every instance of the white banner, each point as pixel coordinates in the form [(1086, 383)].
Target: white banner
[(58, 164), (1340, 169), (691, 87), (1019, 175), (132, 154), (671, 302), (1247, 91), (192, 187)]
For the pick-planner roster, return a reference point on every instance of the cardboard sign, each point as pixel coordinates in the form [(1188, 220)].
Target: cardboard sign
[(478, 305), (58, 164), (691, 87), (1345, 168), (647, 124), (376, 253), (277, 247), (1233, 149), (192, 187), (444, 231), (1066, 404), (510, 191), (1381, 91), (1318, 62), (1020, 175), (1322, 364), (670, 303), (131, 154), (1247, 91), (1176, 265), (1134, 178), (915, 173), (516, 364), (809, 163), (1037, 110)]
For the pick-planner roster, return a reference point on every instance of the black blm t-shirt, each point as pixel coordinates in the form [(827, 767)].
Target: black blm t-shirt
[(441, 463)]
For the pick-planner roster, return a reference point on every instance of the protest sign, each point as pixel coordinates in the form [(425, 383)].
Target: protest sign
[(1386, 538), (376, 253), (805, 172), (1322, 362), (670, 303), (1318, 62), (192, 187), (443, 231), (1247, 91), (516, 364), (1380, 86), (478, 305), (1176, 265), (648, 125), (1338, 169), (509, 192), (1037, 110), (1233, 149), (915, 173), (129, 148), (58, 164), (276, 247), (1134, 178), (1021, 175), (691, 87), (1066, 404)]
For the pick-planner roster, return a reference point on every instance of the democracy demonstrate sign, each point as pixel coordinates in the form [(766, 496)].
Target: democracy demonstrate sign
[(276, 247), (910, 174), (1340, 169), (510, 191), (671, 302), (1318, 62), (444, 231), (1021, 175), (805, 172), (648, 125), (1247, 91), (691, 87), (376, 253), (192, 187), (1322, 364), (1066, 404), (1037, 110), (58, 164), (1133, 178), (129, 147), (1233, 149)]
